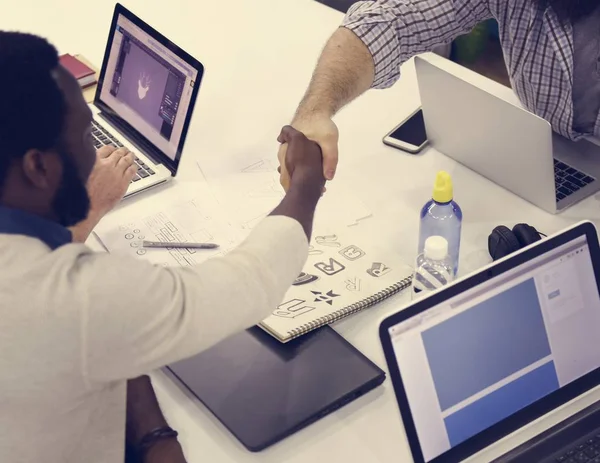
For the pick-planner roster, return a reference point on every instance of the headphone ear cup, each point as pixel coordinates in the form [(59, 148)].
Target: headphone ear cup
[(526, 234), (502, 242)]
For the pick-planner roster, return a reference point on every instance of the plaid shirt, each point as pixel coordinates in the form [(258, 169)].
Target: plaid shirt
[(538, 48)]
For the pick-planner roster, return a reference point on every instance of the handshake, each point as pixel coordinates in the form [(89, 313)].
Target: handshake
[(300, 162), (314, 126)]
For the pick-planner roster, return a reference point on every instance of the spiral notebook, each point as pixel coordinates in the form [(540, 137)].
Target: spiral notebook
[(341, 277)]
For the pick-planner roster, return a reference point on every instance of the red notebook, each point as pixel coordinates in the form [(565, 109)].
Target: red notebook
[(82, 72)]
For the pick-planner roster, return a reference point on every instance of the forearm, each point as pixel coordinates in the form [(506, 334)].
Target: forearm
[(143, 412), (344, 71), (300, 203), (83, 229), (143, 417), (183, 311)]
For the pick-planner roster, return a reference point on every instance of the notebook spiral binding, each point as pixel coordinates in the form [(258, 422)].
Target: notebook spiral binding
[(353, 308)]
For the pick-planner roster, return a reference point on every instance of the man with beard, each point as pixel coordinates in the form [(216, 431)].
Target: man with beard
[(77, 325), (551, 49)]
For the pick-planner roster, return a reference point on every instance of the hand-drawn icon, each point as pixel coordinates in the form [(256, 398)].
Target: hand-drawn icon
[(141, 252), (378, 270), (262, 165), (134, 244), (143, 85), (314, 252), (330, 268), (270, 190), (352, 252), (292, 308), (328, 240), (327, 297), (353, 284), (141, 237), (304, 278), (129, 236), (136, 230)]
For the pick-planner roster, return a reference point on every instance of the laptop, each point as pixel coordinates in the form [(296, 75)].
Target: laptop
[(504, 365), (263, 390), (145, 97), (502, 141)]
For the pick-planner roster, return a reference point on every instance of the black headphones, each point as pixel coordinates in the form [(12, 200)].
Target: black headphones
[(502, 241)]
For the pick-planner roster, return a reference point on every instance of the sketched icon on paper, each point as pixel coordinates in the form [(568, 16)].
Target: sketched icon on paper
[(330, 268), (304, 278), (353, 284), (327, 297), (378, 269), (271, 189), (328, 240), (352, 252), (314, 252), (143, 85), (262, 165), (292, 308)]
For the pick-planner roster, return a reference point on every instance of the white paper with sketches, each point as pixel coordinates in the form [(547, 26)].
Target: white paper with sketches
[(187, 216), (250, 195)]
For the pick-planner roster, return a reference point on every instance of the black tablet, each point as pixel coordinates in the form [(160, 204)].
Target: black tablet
[(263, 390)]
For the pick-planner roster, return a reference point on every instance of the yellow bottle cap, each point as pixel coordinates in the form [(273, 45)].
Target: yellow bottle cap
[(442, 189)]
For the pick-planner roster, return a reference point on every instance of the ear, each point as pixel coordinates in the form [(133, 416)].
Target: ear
[(43, 170)]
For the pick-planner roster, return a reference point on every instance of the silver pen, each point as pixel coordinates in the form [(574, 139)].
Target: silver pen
[(165, 244)]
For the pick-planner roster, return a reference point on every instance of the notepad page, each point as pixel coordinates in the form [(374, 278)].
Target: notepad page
[(340, 271)]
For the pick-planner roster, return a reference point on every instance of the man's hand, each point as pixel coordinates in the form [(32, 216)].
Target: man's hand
[(304, 165), (108, 182), (303, 161), (321, 129)]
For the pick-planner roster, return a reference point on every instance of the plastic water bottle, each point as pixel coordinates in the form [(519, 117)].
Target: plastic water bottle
[(441, 216), (433, 268)]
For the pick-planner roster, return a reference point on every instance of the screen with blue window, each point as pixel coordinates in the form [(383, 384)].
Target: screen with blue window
[(479, 358)]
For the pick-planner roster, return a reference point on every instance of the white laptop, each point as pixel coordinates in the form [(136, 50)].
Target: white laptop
[(145, 97), (502, 141), (504, 365)]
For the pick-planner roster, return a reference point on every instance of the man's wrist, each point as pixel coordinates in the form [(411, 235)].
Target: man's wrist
[(311, 108), (155, 437), (167, 450), (83, 229), (307, 187)]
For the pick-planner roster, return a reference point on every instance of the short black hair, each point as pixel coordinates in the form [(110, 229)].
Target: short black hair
[(32, 106)]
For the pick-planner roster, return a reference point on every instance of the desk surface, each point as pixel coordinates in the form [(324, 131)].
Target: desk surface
[(259, 56)]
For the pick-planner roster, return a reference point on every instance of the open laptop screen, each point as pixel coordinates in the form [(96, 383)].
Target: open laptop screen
[(488, 352), (148, 83)]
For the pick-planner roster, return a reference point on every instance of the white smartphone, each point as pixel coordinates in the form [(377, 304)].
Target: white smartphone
[(409, 135)]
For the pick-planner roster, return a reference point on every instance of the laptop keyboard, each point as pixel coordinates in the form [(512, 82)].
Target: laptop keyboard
[(586, 451), (569, 180), (103, 137)]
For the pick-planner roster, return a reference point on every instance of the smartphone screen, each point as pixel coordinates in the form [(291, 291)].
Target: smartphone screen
[(412, 131)]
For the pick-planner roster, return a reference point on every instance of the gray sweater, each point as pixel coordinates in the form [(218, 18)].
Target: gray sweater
[(77, 324)]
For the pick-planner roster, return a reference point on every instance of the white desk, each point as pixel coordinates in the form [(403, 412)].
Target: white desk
[(259, 55)]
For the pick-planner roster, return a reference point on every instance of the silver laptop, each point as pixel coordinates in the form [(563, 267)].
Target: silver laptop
[(146, 93), (504, 365), (502, 141)]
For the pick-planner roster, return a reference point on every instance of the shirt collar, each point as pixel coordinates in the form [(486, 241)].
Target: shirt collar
[(17, 222)]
